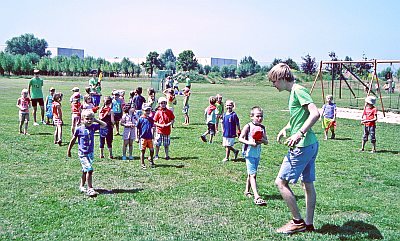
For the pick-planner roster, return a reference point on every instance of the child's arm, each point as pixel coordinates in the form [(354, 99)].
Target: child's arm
[(112, 116), (18, 104), (47, 101), (71, 144), (264, 140), (123, 121), (244, 133), (59, 112), (102, 123)]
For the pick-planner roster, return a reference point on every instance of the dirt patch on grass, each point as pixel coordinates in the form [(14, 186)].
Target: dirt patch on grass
[(355, 114)]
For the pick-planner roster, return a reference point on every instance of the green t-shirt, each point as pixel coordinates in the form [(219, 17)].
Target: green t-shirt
[(188, 83), (93, 82), (36, 85), (299, 97)]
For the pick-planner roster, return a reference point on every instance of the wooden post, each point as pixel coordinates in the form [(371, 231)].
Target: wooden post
[(340, 82), (322, 84), (333, 78), (380, 93), (316, 77)]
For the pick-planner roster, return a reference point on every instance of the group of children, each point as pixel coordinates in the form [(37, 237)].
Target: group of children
[(149, 122)]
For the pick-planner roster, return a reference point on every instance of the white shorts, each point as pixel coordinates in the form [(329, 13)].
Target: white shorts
[(226, 141)]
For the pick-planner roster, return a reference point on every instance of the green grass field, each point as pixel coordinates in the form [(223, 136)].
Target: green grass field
[(193, 196)]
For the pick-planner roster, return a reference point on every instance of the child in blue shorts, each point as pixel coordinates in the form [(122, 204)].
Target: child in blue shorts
[(85, 136), (252, 136)]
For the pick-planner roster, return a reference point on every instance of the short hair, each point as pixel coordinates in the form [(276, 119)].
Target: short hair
[(230, 101), (151, 91), (329, 97), (87, 97), (139, 90), (87, 112), (281, 71), (255, 108), (24, 91), (212, 100), (57, 96)]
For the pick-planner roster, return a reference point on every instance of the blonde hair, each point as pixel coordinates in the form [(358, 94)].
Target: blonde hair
[(281, 71), (212, 100), (256, 108), (87, 113), (230, 101)]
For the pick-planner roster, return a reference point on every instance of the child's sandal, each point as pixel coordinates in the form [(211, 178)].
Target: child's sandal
[(260, 202), (248, 194)]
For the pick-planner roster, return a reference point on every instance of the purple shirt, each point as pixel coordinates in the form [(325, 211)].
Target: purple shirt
[(230, 121), (328, 110), (85, 135), (145, 125)]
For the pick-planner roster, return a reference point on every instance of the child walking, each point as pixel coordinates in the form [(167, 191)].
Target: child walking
[(23, 104), (252, 136), (209, 115), (76, 108), (219, 111), (369, 119), (57, 118), (128, 121), (106, 133), (329, 117), (230, 126), (49, 105), (185, 109), (163, 120), (85, 135), (144, 132)]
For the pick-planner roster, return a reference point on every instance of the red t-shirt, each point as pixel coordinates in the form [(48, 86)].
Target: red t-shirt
[(76, 108), (164, 116), (24, 103), (56, 114), (369, 114)]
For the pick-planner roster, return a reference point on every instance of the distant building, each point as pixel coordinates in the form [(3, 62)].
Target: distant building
[(135, 60), (67, 52), (216, 61)]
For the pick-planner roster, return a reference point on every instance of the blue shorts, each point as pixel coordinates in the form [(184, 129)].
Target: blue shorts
[(369, 131), (299, 161), (252, 165), (86, 161)]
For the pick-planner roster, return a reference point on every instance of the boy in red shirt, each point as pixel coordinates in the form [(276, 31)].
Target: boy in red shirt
[(163, 119), (369, 119)]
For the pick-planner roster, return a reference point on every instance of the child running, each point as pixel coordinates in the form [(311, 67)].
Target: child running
[(185, 109), (209, 115), (144, 132), (76, 108), (329, 117), (49, 106), (128, 121), (106, 133), (23, 104), (252, 136), (230, 126), (57, 118), (369, 119), (85, 136)]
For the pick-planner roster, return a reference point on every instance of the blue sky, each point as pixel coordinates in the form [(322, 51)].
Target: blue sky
[(211, 28)]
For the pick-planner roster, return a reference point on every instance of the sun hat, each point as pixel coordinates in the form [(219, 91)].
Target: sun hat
[(370, 100), (146, 107), (162, 99), (75, 89), (36, 71)]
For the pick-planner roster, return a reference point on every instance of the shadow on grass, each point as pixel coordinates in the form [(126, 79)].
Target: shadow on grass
[(184, 127), (351, 228), (183, 158), (342, 139), (170, 165), (116, 191), (175, 137), (388, 151), (238, 160), (279, 197), (42, 134)]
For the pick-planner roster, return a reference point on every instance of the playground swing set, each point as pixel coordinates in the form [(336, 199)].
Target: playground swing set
[(346, 65)]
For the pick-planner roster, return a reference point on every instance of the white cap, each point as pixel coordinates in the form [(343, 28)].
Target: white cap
[(162, 99), (75, 89), (370, 100)]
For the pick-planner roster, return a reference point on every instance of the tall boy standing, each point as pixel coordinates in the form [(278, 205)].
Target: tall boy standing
[(303, 149), (85, 136), (163, 119), (36, 95)]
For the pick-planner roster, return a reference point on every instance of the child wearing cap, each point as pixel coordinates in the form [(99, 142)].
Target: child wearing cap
[(74, 91), (49, 104), (23, 104), (252, 136), (328, 117), (368, 119), (163, 119), (144, 129), (76, 108)]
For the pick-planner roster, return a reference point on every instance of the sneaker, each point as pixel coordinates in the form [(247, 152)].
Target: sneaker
[(155, 158), (310, 228), (236, 154), (167, 158), (225, 160), (82, 189), (43, 122), (131, 158), (124, 158), (203, 138), (292, 227), (35, 124), (333, 136), (91, 192), (111, 157), (152, 165)]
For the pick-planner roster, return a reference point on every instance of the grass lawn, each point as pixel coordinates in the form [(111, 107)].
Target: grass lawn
[(193, 196)]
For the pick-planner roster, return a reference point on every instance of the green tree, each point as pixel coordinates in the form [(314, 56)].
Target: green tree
[(125, 65), (7, 63), (225, 71), (215, 69), (187, 61), (207, 69), (248, 66), (232, 71), (292, 64), (26, 43), (152, 62), (169, 60), (308, 66)]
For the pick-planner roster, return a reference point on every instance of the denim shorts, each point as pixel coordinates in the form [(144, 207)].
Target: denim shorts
[(161, 139), (299, 161), (252, 165), (369, 131), (86, 161)]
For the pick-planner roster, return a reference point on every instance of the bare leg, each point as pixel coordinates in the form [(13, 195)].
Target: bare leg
[(227, 150), (83, 179), (166, 148), (311, 198), (157, 150), (34, 114), (21, 123), (89, 179), (142, 152), (130, 143), (211, 138), (288, 196), (253, 184), (42, 112), (363, 145), (126, 142), (248, 185)]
